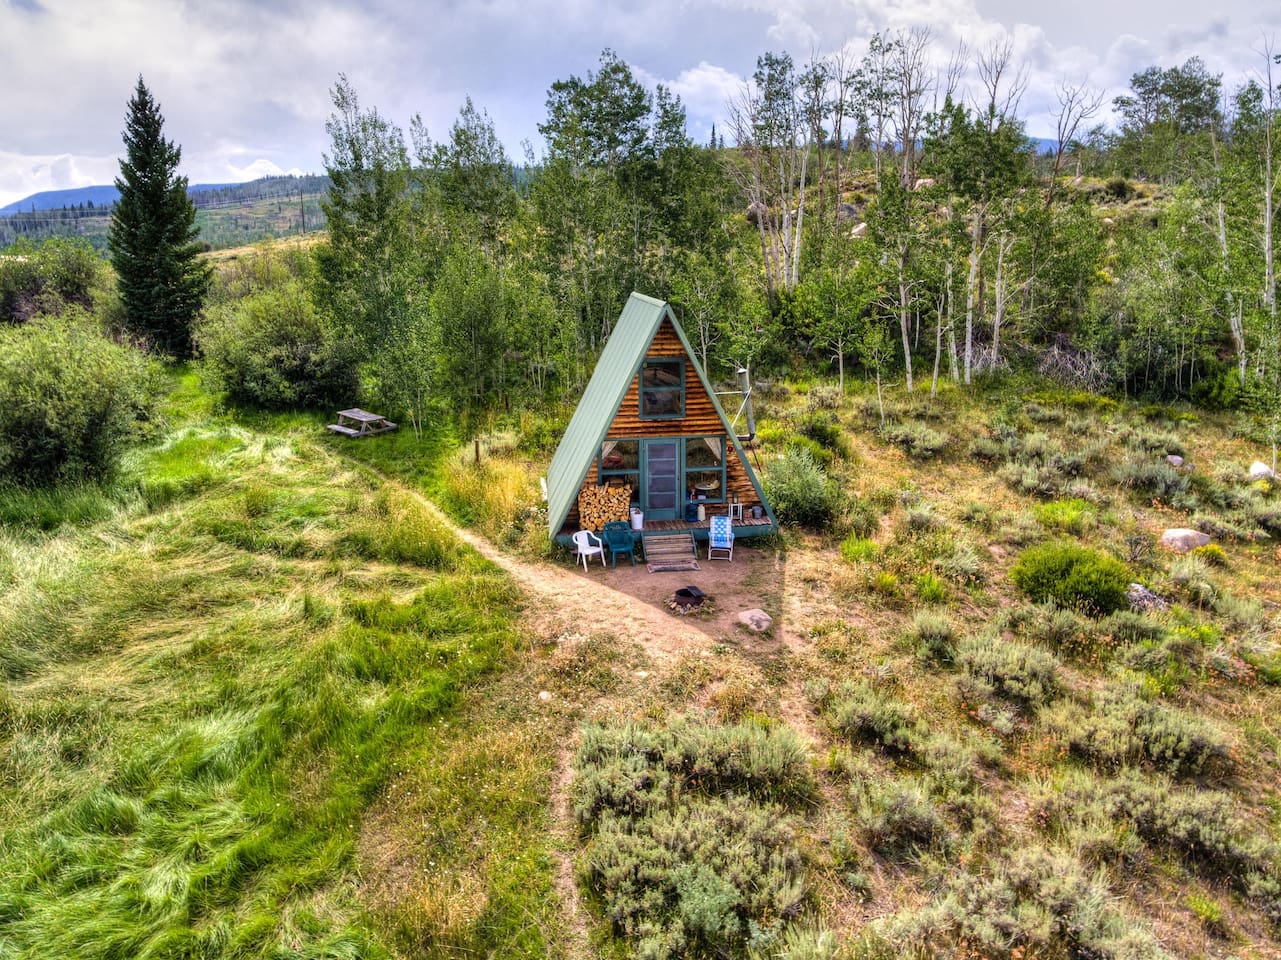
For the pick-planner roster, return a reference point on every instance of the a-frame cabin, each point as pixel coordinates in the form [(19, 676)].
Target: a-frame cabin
[(650, 421)]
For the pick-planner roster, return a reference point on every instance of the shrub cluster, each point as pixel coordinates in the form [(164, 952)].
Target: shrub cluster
[(862, 714), (70, 400), (273, 350), (1009, 669), (1042, 903), (799, 490), (58, 274), (917, 440), (686, 856), (1073, 576), (1124, 728), (1199, 826), (899, 820), (1155, 478)]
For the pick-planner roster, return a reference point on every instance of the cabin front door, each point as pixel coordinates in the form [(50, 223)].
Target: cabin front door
[(661, 497)]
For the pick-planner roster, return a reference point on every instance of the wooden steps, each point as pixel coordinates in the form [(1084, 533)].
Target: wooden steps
[(669, 547)]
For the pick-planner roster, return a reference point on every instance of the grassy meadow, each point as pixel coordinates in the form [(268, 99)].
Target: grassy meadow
[(258, 703), (230, 679)]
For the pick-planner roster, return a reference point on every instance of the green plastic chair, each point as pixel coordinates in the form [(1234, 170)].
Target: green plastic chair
[(617, 535)]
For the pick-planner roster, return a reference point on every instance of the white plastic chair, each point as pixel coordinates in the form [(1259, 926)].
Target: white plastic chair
[(588, 545), (720, 539)]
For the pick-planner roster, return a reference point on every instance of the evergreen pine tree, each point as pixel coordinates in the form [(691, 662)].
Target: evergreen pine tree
[(152, 239)]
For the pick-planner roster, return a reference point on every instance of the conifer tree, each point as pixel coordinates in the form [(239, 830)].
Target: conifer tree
[(152, 239)]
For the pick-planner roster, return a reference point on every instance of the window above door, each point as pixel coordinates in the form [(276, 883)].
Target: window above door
[(662, 389)]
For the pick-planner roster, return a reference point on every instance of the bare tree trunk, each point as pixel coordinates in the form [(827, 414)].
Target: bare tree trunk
[(998, 315), (938, 342), (905, 311), (971, 287)]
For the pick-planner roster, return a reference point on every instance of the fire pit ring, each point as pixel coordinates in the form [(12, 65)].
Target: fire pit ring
[(687, 598)]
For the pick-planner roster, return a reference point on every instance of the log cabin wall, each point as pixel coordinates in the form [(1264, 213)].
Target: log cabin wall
[(700, 420)]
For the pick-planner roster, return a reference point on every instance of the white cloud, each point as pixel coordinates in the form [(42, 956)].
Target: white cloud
[(244, 84), (24, 174)]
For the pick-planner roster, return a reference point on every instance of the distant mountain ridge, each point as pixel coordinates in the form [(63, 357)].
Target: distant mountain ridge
[(99, 196)]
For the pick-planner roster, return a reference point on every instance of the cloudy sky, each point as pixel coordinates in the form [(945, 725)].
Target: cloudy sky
[(244, 84)]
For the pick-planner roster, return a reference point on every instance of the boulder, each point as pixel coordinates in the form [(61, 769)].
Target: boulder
[(859, 231), (1261, 471), (846, 212), (1181, 539), (756, 620), (1174, 460), (755, 212)]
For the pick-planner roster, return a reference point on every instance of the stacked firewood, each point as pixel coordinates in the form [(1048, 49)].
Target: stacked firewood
[(598, 506)]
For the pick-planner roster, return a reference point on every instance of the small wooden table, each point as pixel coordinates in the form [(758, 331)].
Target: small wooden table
[(356, 423)]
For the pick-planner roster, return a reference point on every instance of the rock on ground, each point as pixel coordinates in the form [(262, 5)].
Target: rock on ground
[(1181, 539), (1260, 471), (1142, 599), (756, 620)]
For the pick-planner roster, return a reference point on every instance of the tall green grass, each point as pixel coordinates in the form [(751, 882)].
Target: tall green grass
[(210, 682)]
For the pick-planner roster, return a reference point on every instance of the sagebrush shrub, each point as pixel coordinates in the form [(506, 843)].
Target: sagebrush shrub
[(689, 846), (863, 714), (1124, 728), (1074, 576), (933, 636), (800, 491), (1039, 903), (1011, 669), (1156, 478), (899, 820), (1201, 827), (916, 440), (1129, 627)]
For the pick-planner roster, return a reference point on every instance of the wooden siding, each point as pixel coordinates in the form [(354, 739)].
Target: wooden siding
[(700, 420)]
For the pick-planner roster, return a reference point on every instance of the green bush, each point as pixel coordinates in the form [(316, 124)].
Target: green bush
[(273, 350), (855, 549), (799, 490), (862, 516), (1073, 516), (825, 430), (1073, 576), (58, 274), (70, 400), (930, 588)]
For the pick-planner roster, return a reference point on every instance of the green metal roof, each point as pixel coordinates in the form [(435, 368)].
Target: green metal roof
[(624, 352)]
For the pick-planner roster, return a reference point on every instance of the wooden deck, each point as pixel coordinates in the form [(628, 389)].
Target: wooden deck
[(747, 527)]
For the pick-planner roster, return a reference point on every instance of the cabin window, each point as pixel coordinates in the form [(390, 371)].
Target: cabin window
[(705, 468), (619, 462), (662, 389)]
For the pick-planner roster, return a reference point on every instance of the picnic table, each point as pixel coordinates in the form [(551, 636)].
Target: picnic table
[(356, 423)]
